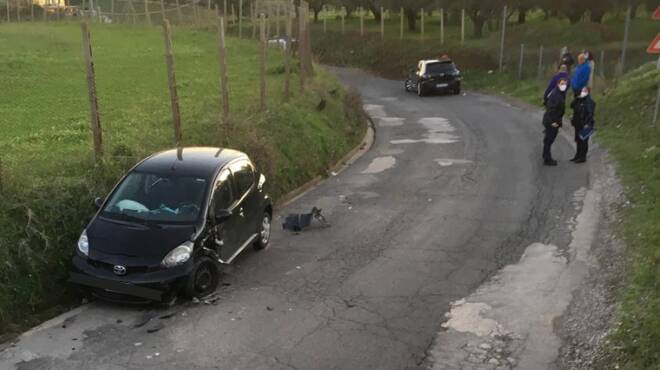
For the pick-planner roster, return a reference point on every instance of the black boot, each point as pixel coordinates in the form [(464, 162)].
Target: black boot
[(549, 162)]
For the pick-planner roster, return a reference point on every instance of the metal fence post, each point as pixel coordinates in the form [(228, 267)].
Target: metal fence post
[(422, 24), (502, 39), (657, 101), (462, 26), (442, 26), (540, 70), (520, 65), (602, 63), (625, 39), (262, 62)]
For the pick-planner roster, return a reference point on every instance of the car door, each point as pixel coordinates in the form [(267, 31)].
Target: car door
[(226, 235), (247, 206)]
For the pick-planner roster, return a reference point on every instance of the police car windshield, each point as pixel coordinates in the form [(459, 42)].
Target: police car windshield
[(438, 68), (152, 198)]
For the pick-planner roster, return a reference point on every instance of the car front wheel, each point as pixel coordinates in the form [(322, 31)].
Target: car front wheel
[(204, 278), (263, 236), (420, 89)]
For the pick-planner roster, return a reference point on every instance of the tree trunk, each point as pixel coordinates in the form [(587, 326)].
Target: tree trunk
[(546, 14), (596, 16), (316, 14), (411, 15), (349, 11), (375, 11), (522, 15), (478, 22), (575, 17)]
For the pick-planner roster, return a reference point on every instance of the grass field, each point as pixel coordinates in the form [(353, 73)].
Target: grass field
[(48, 176)]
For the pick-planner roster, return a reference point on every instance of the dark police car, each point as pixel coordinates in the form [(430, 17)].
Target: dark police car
[(169, 224), (434, 75)]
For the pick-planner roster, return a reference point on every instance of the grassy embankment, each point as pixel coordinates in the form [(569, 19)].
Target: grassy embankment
[(624, 115), (48, 176)]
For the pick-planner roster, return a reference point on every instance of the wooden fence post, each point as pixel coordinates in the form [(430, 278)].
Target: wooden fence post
[(179, 14), (95, 121), (602, 64), (254, 21), (146, 12), (287, 57), (240, 19), (171, 80), (262, 63), (301, 49), (222, 55)]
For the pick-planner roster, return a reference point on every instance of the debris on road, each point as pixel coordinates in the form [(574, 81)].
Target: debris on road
[(155, 328), (297, 222)]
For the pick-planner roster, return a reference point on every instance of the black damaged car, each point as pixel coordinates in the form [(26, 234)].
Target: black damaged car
[(169, 225), (434, 75)]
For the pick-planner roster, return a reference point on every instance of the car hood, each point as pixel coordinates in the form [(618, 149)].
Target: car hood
[(117, 242)]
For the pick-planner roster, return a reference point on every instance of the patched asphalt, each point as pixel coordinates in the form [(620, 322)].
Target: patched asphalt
[(452, 190)]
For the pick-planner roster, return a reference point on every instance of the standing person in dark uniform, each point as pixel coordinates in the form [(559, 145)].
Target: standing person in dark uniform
[(562, 73), (567, 58), (552, 119), (584, 109)]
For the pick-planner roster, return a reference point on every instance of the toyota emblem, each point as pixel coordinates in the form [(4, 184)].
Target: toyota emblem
[(119, 270)]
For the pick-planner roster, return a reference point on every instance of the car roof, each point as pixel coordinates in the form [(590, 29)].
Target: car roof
[(441, 60), (203, 162)]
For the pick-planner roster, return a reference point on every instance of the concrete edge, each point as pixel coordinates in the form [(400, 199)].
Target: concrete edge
[(348, 159)]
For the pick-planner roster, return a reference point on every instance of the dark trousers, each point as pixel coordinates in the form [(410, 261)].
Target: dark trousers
[(548, 140), (582, 145)]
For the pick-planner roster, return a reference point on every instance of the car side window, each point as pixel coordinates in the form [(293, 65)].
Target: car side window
[(243, 176), (223, 196)]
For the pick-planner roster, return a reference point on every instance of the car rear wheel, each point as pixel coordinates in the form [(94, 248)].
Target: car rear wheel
[(263, 237), (204, 278)]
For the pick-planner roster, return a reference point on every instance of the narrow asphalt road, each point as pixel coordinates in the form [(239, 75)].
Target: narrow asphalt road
[(452, 190)]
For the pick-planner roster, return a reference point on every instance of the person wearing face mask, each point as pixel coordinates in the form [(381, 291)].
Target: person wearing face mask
[(562, 73), (583, 121), (555, 107)]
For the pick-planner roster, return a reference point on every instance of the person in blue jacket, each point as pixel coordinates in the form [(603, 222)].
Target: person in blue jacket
[(561, 74), (553, 119), (581, 76)]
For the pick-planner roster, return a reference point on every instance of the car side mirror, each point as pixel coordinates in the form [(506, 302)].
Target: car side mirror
[(222, 216), (98, 202)]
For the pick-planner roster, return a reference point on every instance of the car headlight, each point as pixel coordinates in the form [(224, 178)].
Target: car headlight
[(178, 255), (83, 243)]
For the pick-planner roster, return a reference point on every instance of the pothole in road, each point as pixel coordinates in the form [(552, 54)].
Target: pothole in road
[(439, 131), (446, 162), (380, 164)]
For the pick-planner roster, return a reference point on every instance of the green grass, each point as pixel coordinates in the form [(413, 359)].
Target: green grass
[(48, 176)]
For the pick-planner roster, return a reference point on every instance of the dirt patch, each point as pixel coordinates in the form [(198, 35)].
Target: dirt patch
[(585, 325)]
